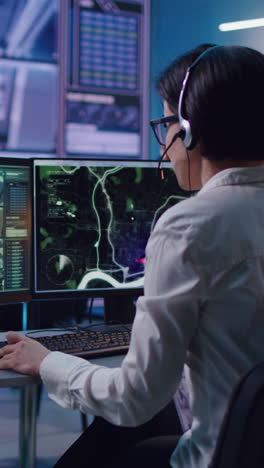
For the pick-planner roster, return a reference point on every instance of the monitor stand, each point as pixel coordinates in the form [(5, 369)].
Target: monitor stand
[(120, 308)]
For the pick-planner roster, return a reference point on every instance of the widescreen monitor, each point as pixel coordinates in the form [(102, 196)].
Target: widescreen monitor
[(15, 230), (92, 223)]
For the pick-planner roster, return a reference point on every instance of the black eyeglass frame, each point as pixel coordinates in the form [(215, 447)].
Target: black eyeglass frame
[(162, 120)]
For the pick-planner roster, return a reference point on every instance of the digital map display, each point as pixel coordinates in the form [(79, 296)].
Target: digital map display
[(93, 222)]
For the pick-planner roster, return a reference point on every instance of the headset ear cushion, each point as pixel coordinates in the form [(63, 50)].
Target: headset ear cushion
[(186, 133)]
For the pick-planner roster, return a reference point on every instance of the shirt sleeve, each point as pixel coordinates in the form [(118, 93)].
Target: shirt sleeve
[(166, 320)]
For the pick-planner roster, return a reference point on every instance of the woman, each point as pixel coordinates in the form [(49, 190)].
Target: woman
[(204, 294)]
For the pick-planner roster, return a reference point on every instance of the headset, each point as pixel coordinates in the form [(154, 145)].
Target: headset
[(185, 132)]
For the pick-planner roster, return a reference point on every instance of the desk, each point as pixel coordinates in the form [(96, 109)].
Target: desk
[(28, 405)]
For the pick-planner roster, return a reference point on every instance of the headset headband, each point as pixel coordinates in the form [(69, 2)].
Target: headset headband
[(185, 125)]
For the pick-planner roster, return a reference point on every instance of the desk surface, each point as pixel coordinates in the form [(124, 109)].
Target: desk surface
[(9, 378)]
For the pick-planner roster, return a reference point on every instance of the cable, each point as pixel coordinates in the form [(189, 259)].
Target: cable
[(90, 310), (189, 170)]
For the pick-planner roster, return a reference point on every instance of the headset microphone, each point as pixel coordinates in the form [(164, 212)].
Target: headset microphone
[(177, 135)]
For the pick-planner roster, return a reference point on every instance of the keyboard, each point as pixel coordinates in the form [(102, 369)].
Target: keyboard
[(108, 340)]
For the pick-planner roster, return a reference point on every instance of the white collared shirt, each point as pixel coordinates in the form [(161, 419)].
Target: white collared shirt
[(203, 306)]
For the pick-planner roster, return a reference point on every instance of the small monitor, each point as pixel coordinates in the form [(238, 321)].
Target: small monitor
[(107, 82), (92, 223), (15, 230)]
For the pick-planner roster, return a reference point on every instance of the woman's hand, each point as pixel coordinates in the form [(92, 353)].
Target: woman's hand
[(22, 354)]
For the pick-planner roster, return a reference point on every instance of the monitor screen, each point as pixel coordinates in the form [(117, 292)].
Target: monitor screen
[(106, 98), (93, 220), (28, 76), (15, 230)]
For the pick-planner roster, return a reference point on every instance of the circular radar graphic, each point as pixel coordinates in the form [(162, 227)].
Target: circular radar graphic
[(59, 269)]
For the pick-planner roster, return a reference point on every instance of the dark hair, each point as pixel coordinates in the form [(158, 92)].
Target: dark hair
[(223, 100)]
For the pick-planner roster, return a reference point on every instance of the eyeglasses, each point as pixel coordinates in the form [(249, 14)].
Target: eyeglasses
[(160, 127)]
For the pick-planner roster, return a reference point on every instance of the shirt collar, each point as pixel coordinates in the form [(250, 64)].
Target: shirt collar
[(235, 176)]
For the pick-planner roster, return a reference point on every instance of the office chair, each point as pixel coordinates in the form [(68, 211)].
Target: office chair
[(241, 440)]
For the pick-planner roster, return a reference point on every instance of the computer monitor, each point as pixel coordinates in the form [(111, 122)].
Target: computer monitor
[(92, 223), (15, 230), (107, 80), (28, 77)]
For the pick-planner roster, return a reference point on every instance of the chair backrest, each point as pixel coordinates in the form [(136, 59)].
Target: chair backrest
[(241, 439)]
